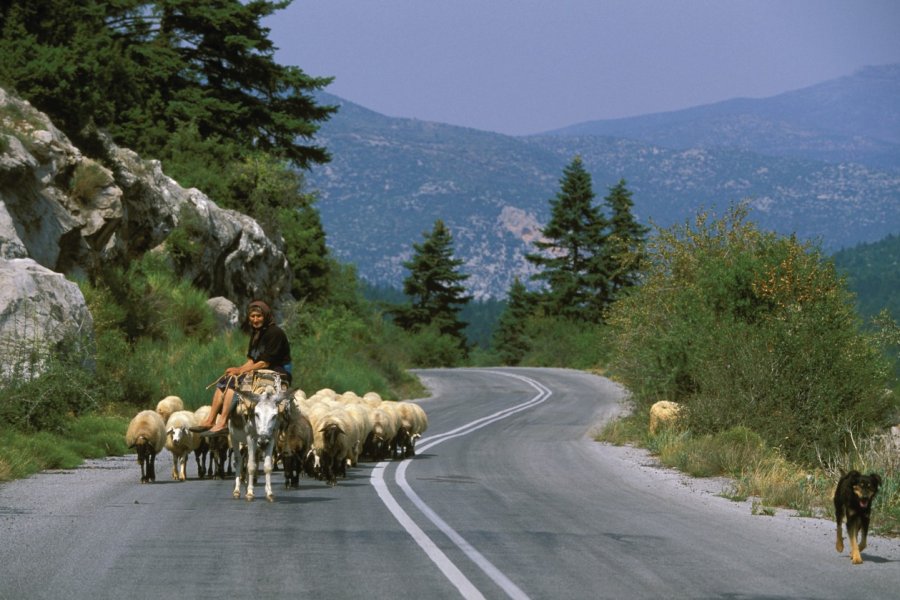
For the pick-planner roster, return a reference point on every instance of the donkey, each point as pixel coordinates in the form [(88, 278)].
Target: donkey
[(255, 424)]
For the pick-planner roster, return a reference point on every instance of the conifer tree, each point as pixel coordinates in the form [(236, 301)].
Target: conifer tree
[(144, 69), (434, 286), (510, 337), (573, 257), (626, 240)]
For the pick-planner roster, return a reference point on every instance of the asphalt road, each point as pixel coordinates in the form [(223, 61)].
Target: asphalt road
[(508, 497)]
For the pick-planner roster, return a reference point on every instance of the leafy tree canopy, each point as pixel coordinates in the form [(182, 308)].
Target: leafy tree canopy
[(143, 70)]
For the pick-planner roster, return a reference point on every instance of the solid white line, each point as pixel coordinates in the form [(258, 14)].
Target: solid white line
[(450, 571), (511, 589)]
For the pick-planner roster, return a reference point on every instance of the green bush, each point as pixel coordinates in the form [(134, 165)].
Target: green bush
[(186, 241), (48, 402), (88, 179), (564, 343), (428, 348), (750, 329)]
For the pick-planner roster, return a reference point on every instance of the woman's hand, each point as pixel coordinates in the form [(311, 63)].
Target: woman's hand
[(233, 371)]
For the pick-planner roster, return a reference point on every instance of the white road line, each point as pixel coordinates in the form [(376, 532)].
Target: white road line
[(466, 588), (450, 571)]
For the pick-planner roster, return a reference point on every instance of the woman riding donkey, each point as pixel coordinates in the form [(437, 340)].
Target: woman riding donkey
[(269, 349)]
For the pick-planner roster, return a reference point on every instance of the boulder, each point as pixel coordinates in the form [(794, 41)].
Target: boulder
[(225, 311), (41, 312)]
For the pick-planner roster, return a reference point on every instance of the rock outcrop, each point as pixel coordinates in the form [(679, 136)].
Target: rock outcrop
[(64, 214)]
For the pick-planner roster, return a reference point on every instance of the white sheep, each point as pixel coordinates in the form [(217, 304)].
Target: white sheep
[(181, 441), (413, 423), (393, 412), (384, 429), (363, 422), (147, 435), (662, 413), (372, 399), (168, 405), (333, 440)]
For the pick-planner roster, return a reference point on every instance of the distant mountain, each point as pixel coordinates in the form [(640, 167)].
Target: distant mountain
[(391, 178), (850, 119)]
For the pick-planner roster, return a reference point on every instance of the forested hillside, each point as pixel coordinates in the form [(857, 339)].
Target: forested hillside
[(873, 273)]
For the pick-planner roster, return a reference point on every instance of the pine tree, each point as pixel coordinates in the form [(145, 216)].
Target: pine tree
[(144, 69), (573, 259), (510, 338), (626, 240), (434, 287)]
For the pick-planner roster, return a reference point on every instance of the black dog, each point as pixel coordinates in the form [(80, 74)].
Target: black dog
[(853, 502)]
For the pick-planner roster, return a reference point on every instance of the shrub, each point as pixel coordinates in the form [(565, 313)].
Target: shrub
[(429, 348), (48, 402), (184, 243), (750, 329), (561, 342), (88, 179)]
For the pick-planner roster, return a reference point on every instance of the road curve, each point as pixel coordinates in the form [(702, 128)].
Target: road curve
[(507, 497)]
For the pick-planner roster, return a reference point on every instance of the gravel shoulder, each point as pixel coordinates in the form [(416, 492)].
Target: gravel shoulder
[(707, 492)]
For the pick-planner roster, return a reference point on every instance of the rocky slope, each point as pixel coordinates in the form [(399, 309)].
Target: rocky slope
[(63, 215)]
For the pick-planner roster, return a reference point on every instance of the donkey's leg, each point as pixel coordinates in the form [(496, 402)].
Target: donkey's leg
[(251, 467), (236, 459), (268, 464)]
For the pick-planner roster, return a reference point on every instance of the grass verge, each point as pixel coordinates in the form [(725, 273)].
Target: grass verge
[(86, 437), (761, 473)]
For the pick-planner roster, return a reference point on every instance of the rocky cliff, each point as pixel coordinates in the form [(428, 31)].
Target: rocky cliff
[(63, 214)]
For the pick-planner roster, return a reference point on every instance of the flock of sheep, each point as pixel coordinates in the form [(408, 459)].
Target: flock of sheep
[(319, 436)]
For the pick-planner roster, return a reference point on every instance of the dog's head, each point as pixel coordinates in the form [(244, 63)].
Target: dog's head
[(864, 487)]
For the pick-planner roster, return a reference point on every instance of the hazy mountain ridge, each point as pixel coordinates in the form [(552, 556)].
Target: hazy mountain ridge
[(850, 119), (391, 178)]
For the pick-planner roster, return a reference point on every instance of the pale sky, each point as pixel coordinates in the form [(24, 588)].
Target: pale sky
[(527, 66)]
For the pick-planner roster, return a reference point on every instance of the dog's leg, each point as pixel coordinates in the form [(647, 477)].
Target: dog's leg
[(839, 544), (865, 535), (852, 532)]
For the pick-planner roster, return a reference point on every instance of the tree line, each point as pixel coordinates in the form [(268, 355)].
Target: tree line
[(586, 258)]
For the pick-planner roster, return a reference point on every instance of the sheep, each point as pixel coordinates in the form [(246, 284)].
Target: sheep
[(168, 405), (180, 441), (413, 423), (219, 447), (383, 432), (294, 443), (333, 439), (147, 435), (372, 399), (349, 397), (363, 425), (394, 414), (662, 413), (202, 454)]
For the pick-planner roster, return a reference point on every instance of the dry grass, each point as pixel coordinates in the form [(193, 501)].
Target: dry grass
[(762, 473)]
